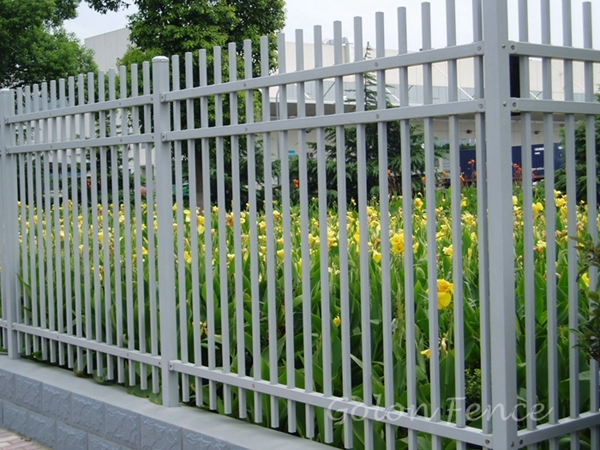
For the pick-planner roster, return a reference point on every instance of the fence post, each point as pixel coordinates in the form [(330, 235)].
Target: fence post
[(164, 210), (9, 251), (501, 258)]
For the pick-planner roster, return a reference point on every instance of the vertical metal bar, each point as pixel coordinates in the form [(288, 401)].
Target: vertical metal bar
[(386, 300), (409, 276), (287, 233), (193, 180), (179, 221), (252, 200), (237, 233), (152, 276), (63, 259), (223, 283), (85, 209), (592, 202), (49, 163), (430, 204), (164, 209), (21, 316), (95, 226), (551, 281), (139, 220), (9, 229), (457, 232), (343, 237), (26, 207), (365, 253), (482, 231), (208, 244), (573, 290), (77, 172), (528, 218), (36, 223), (55, 249), (323, 228), (270, 244), (502, 297), (121, 215), (69, 221), (107, 236), (43, 210), (304, 231)]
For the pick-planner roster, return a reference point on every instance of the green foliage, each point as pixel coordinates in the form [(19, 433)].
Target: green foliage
[(35, 46), (589, 329), (393, 136), (581, 162)]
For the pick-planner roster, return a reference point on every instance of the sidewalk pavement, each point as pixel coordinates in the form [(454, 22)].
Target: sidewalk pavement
[(12, 441)]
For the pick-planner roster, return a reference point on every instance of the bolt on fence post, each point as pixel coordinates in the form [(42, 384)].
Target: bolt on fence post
[(164, 210), (9, 230), (501, 258)]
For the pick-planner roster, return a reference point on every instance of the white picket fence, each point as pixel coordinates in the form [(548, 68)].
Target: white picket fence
[(282, 309)]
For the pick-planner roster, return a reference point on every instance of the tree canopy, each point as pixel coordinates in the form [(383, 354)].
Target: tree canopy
[(36, 46)]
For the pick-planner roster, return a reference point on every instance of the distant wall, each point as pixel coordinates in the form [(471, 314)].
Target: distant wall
[(108, 47)]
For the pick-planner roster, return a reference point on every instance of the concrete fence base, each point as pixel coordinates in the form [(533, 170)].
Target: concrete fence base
[(62, 411)]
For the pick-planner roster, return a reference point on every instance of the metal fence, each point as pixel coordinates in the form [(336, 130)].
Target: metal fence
[(362, 318)]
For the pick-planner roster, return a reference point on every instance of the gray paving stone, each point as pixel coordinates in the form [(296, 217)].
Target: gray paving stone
[(157, 435), (29, 393), (97, 443), (42, 429), (15, 418), (1, 413), (56, 403), (69, 438), (197, 441), (7, 386), (87, 414), (122, 426)]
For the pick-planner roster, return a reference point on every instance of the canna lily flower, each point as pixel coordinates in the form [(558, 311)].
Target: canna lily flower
[(397, 242), (537, 209), (426, 353), (445, 292)]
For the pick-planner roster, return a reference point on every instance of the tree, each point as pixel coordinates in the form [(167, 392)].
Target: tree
[(35, 46), (174, 27)]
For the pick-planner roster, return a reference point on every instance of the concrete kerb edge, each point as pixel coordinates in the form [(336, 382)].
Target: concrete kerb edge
[(185, 425)]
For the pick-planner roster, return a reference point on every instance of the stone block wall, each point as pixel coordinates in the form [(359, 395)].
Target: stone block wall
[(62, 411)]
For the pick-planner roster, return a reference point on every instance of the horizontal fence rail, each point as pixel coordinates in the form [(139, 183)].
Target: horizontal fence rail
[(332, 270)]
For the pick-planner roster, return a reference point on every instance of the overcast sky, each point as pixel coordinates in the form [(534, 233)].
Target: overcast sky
[(304, 14)]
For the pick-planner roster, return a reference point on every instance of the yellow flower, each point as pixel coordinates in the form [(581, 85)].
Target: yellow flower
[(448, 251), (445, 291), (585, 279), (540, 246), (418, 203), (337, 321), (230, 256), (397, 242), (560, 201), (376, 256), (280, 253), (537, 209), (426, 353)]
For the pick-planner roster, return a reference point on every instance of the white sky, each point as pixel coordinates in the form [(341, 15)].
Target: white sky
[(304, 14)]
